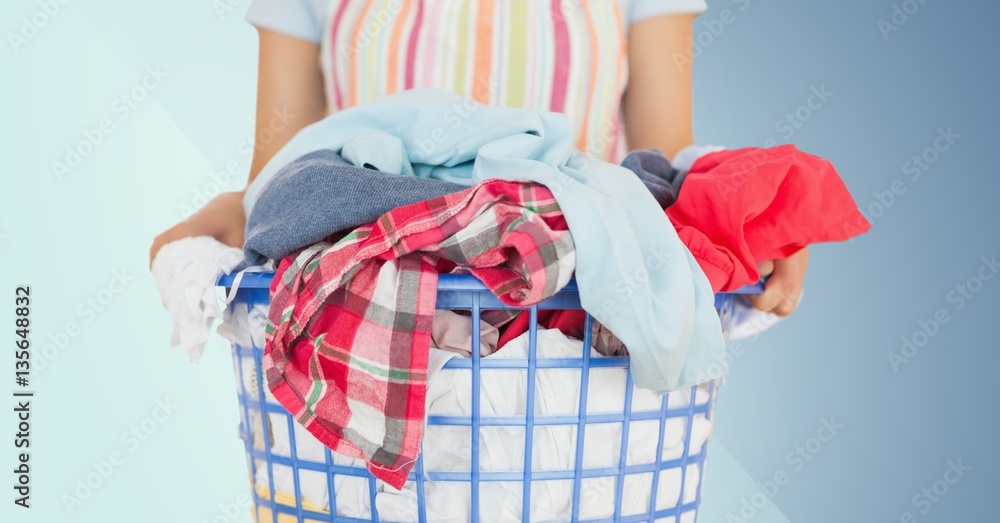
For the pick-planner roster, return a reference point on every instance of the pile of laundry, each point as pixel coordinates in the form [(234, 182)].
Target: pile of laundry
[(359, 213)]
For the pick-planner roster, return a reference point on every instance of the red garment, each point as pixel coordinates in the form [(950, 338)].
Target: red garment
[(747, 205), (739, 207), (569, 322), (349, 328)]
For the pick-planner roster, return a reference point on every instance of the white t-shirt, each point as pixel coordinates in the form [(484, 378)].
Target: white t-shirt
[(305, 19)]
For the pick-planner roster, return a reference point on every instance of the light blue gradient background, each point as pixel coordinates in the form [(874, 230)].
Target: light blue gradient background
[(890, 97)]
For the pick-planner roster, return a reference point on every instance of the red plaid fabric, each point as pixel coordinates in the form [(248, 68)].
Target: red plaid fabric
[(349, 327)]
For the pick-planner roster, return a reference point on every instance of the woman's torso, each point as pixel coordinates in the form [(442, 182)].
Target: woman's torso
[(555, 55)]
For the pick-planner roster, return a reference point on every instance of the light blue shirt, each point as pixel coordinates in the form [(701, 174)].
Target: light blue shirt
[(634, 274), (307, 19)]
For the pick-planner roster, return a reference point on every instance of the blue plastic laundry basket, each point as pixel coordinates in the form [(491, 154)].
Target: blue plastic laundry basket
[(464, 293)]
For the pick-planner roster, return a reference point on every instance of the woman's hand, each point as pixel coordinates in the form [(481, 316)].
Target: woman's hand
[(221, 218), (784, 285)]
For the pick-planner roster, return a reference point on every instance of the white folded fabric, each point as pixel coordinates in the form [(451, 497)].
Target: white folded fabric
[(185, 272)]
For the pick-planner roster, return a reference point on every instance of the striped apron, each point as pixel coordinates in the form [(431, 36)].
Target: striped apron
[(565, 56)]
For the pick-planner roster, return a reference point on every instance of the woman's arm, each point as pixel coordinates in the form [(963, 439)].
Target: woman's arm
[(657, 103), (289, 97), (658, 114), (289, 93)]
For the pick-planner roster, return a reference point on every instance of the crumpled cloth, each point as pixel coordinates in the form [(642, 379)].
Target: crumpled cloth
[(747, 205), (452, 332), (322, 193), (349, 327), (244, 326), (185, 272)]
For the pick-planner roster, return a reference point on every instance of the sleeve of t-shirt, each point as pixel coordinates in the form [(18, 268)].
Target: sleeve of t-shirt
[(301, 19), (642, 9)]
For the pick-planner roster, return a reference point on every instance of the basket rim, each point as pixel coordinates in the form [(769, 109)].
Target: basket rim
[(446, 282)]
